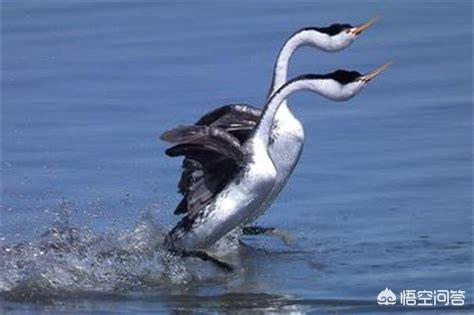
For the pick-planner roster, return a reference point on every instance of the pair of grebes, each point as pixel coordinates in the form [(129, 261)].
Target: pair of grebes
[(237, 158)]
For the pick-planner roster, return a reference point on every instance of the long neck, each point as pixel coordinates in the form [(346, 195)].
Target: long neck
[(299, 39), (262, 132)]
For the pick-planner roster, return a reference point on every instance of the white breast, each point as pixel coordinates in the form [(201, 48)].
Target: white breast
[(286, 145)]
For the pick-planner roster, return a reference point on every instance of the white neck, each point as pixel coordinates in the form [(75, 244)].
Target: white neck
[(280, 71), (262, 132), (300, 39)]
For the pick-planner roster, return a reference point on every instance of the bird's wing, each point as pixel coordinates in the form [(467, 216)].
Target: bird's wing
[(233, 115), (188, 139), (212, 158), (237, 119), (208, 165)]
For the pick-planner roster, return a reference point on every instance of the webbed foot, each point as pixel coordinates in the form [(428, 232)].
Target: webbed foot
[(284, 236)]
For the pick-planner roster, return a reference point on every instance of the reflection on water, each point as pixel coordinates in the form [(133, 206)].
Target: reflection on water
[(381, 199)]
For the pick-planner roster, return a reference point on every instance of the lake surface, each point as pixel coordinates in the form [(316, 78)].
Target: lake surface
[(382, 196)]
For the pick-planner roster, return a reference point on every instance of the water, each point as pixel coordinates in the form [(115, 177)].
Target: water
[(382, 196)]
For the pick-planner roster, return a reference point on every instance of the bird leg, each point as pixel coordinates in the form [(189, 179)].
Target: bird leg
[(203, 256), (284, 236)]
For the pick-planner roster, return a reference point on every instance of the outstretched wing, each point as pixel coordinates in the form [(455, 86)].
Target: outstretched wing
[(203, 138), (212, 155), (209, 153), (237, 119)]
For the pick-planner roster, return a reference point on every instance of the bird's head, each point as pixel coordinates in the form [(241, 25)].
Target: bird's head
[(337, 37), (341, 85)]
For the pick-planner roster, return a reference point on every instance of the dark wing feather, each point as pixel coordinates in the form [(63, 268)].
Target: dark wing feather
[(205, 173), (209, 153), (203, 138), (234, 114), (237, 119), (210, 164), (205, 186)]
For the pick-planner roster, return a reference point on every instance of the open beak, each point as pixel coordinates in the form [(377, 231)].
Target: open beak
[(369, 76), (358, 30)]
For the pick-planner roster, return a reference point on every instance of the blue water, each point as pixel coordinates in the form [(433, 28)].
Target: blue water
[(382, 196)]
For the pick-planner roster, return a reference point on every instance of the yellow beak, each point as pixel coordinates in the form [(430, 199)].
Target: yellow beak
[(369, 76), (358, 30)]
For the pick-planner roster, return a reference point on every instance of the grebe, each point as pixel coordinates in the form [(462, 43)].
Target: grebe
[(253, 183), (205, 173)]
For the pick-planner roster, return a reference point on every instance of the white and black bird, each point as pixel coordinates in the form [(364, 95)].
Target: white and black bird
[(206, 171), (255, 173)]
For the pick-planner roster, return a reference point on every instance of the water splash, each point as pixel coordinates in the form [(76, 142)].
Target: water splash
[(68, 259)]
